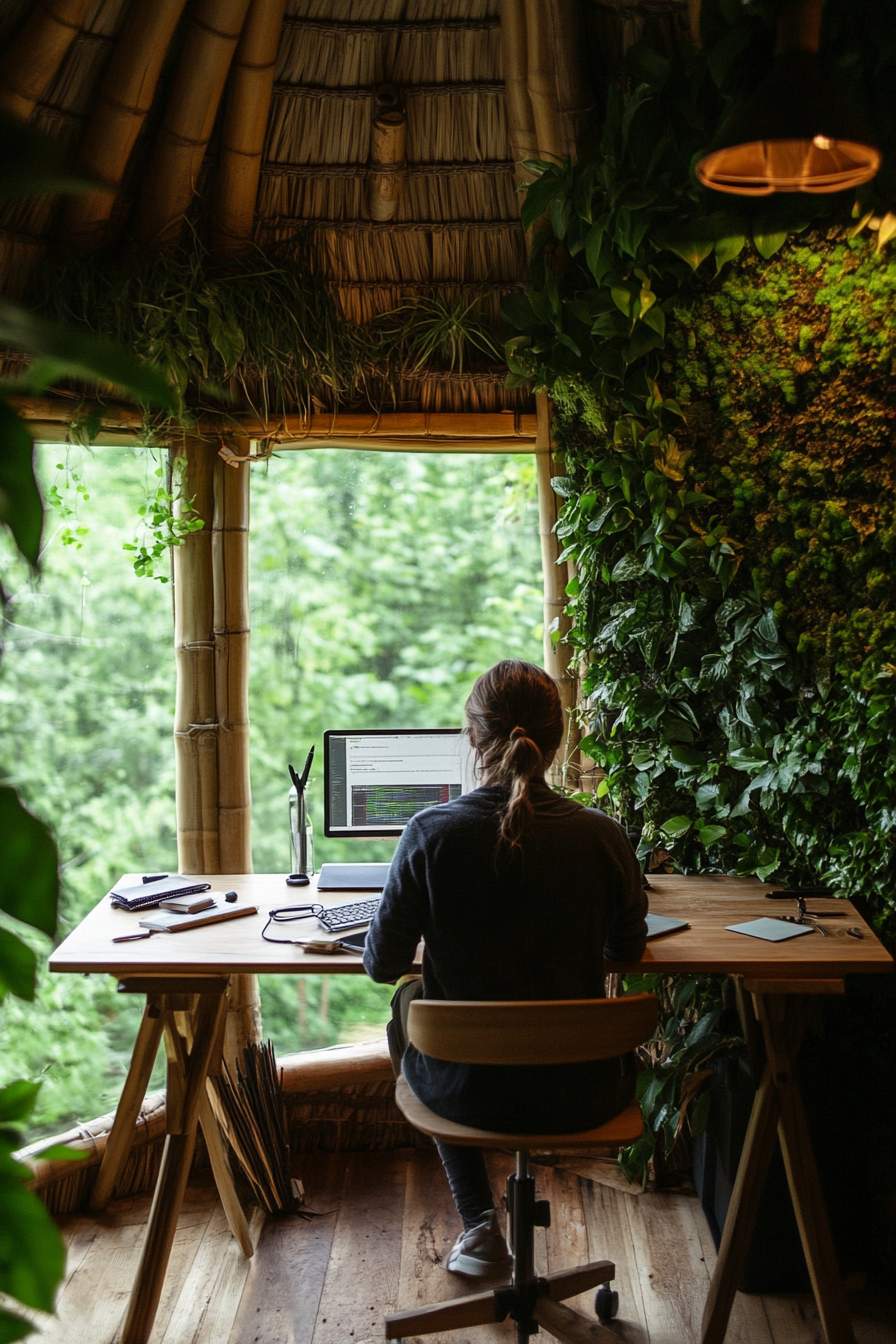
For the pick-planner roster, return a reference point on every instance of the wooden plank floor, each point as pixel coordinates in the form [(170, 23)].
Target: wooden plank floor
[(381, 1243)]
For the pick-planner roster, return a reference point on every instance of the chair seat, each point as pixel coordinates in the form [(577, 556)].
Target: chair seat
[(622, 1130)]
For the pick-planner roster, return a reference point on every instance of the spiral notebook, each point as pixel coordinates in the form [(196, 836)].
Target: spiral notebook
[(147, 895)]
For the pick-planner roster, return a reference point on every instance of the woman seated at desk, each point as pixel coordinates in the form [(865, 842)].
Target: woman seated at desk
[(519, 894)]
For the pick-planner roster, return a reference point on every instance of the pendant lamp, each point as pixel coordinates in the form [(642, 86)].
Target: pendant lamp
[(793, 133)]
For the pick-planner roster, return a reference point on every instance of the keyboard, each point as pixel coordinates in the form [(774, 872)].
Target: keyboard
[(335, 918)]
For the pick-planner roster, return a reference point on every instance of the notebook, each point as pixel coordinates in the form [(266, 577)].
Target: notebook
[(771, 930), (657, 925), (147, 895), (168, 921), (353, 876)]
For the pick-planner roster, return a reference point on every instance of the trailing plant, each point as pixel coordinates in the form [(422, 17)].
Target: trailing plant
[(721, 375), (163, 527)]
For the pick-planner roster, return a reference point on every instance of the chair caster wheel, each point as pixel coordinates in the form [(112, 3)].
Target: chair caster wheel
[(606, 1303)]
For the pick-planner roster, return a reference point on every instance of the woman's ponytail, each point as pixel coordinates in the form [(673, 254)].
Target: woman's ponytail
[(516, 725)]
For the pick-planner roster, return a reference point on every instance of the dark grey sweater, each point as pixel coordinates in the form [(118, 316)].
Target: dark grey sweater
[(536, 927)]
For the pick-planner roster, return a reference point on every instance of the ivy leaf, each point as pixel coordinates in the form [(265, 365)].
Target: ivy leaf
[(539, 196), (676, 826), (767, 244), (708, 835), (687, 758), (691, 247), (629, 567)]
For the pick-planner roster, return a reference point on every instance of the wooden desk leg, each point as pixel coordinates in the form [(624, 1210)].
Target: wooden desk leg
[(805, 1189), (741, 1218), (121, 1136), (173, 1175), (176, 1046), (217, 1152)]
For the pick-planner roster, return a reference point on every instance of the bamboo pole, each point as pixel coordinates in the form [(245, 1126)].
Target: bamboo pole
[(523, 142), (124, 100), (558, 656), (170, 179), (211, 728), (542, 79), (387, 148), (195, 715), (245, 124), (230, 564), (36, 52)]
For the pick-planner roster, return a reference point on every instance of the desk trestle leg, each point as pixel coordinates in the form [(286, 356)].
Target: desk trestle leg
[(173, 1175), (121, 1136), (778, 1108)]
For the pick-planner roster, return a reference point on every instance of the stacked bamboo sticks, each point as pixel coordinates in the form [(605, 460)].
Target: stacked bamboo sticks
[(253, 1113)]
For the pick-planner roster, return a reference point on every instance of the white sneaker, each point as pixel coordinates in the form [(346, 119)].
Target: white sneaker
[(480, 1250)]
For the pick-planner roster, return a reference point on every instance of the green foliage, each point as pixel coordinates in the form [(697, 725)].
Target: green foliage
[(429, 328), (721, 373), (671, 1088), (263, 325)]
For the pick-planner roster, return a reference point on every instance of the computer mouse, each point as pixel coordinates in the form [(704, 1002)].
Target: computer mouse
[(298, 880)]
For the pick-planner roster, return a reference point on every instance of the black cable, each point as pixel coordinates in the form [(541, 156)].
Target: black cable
[(286, 914)]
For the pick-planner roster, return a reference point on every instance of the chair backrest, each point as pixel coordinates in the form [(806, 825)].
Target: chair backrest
[(565, 1031)]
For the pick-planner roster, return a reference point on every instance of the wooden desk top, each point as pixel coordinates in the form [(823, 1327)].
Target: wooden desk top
[(708, 902)]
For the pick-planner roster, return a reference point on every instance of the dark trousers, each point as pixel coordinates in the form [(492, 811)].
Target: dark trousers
[(464, 1167)]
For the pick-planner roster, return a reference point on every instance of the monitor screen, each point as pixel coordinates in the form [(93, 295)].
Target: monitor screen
[(376, 780)]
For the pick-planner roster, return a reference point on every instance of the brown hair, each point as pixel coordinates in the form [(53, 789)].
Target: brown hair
[(515, 723)]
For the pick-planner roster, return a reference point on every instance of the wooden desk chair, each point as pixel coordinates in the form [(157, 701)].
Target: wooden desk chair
[(564, 1032)]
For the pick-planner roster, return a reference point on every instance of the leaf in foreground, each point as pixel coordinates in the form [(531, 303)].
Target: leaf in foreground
[(29, 874)]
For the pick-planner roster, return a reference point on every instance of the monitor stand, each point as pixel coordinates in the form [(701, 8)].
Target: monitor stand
[(353, 876)]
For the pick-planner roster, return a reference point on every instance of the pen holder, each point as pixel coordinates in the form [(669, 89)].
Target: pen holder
[(301, 836)]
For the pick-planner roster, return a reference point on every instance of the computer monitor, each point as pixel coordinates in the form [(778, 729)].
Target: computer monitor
[(375, 780)]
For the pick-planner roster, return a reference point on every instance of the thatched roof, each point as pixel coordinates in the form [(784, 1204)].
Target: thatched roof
[(390, 126)]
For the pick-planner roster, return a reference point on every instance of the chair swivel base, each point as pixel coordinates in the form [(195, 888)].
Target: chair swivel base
[(531, 1301)]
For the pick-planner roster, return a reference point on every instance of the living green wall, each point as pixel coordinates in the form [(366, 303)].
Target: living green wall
[(721, 373)]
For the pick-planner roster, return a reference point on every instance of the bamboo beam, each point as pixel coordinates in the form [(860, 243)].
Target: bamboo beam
[(36, 52), (558, 656), (245, 124), (170, 180), (124, 99), (423, 431), (387, 147)]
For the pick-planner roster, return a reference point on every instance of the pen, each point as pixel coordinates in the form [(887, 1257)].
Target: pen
[(307, 766), (296, 781)]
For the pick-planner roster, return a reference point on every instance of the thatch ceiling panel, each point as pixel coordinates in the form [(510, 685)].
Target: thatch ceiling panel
[(317, 53), (362, 301), (465, 194), (432, 192), (316, 126), (377, 252), (494, 252), (456, 125)]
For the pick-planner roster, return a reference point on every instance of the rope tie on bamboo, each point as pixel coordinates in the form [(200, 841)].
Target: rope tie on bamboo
[(215, 32)]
